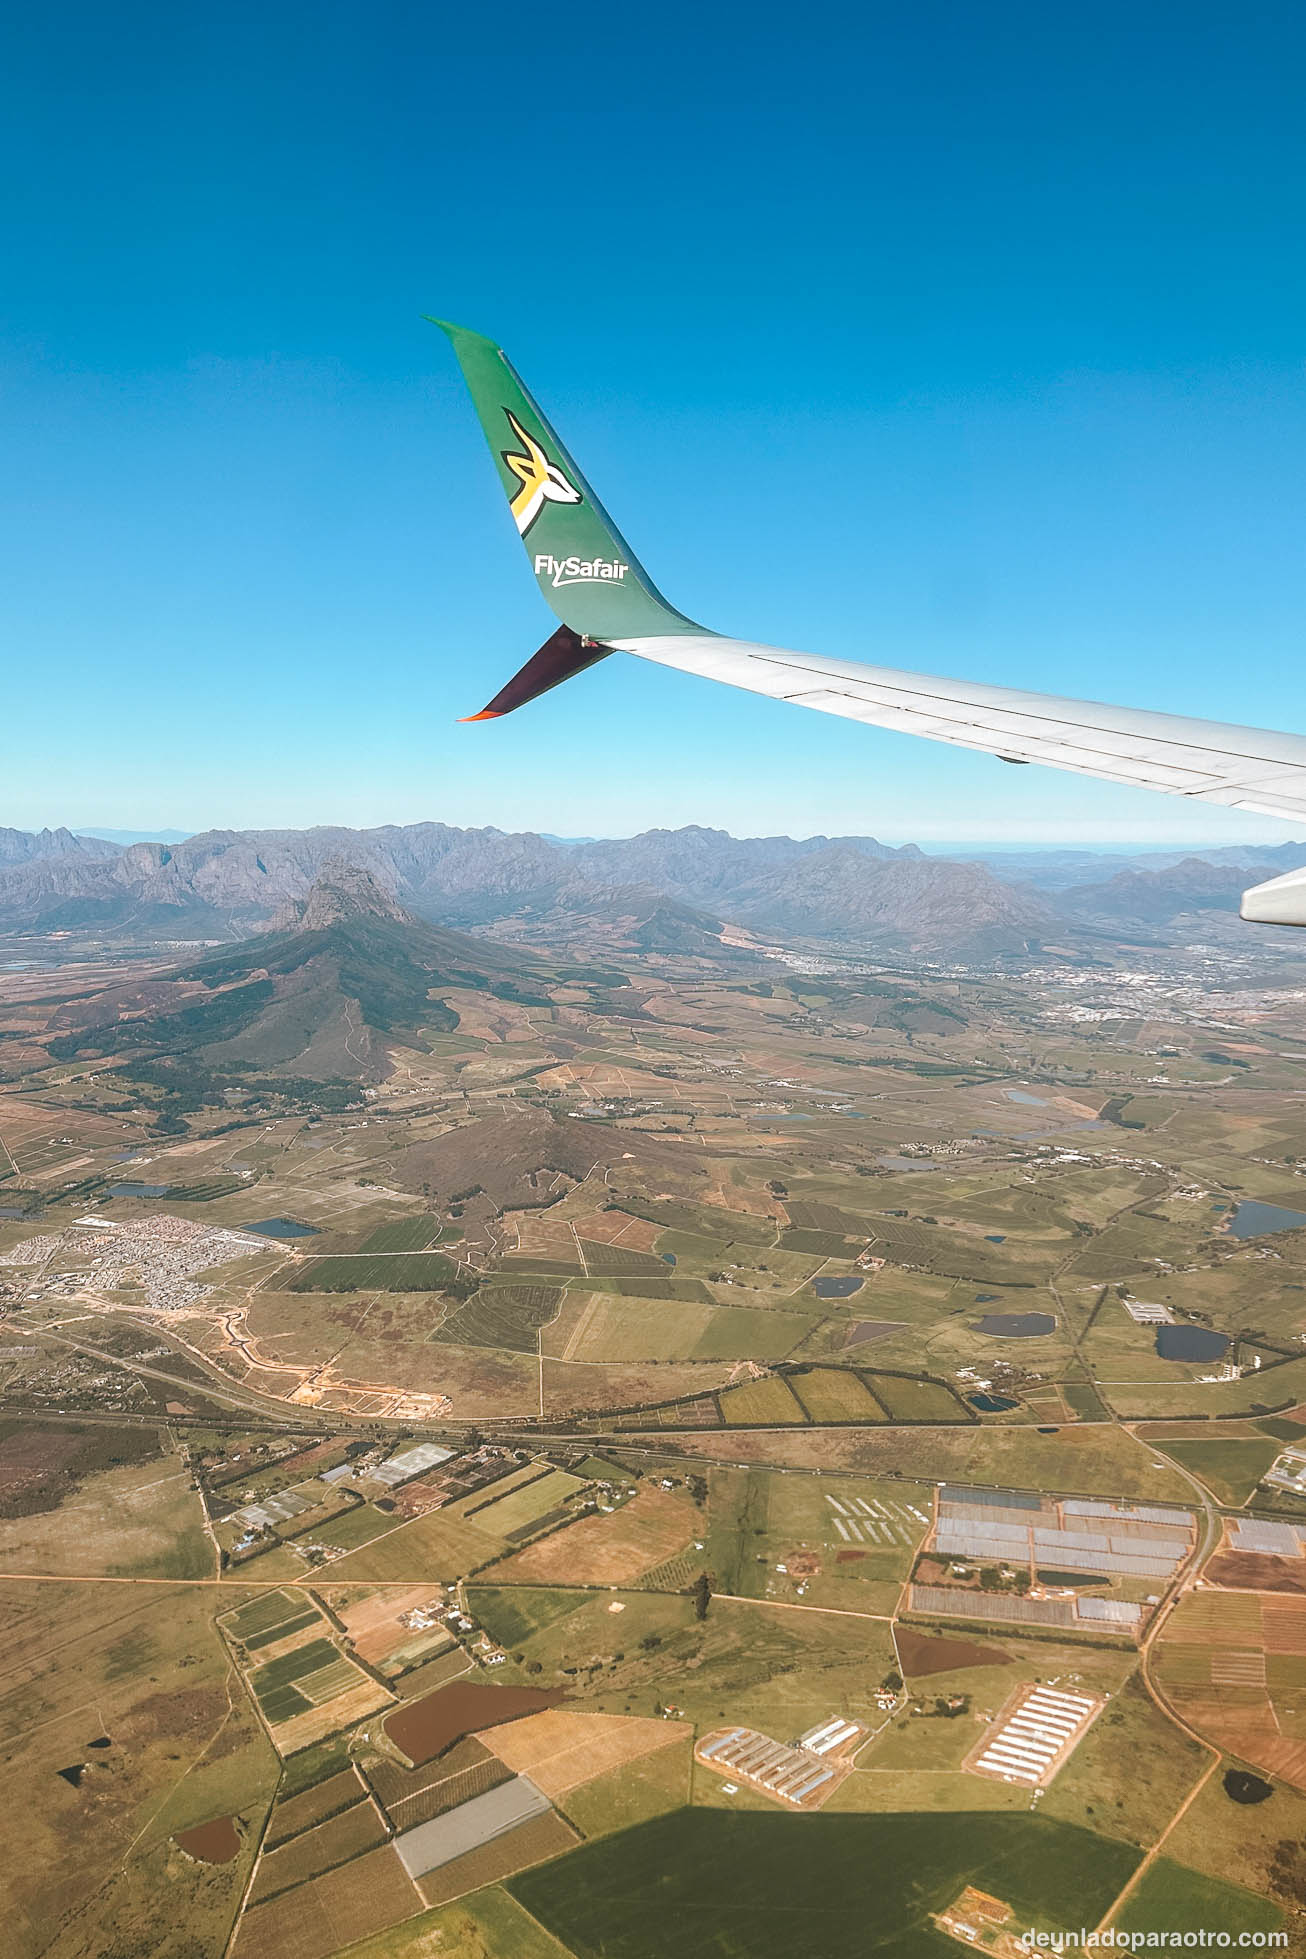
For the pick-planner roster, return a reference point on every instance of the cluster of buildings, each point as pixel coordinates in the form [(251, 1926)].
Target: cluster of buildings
[(801, 1773), (158, 1254), (1288, 1472), (1034, 1737)]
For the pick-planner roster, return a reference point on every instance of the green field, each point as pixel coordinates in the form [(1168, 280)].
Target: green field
[(615, 1260), (513, 1614), (1230, 1468), (435, 1546), (768, 1400), (524, 1506), (376, 1272), (403, 1235), (1170, 1898), (714, 1882), (832, 1394)]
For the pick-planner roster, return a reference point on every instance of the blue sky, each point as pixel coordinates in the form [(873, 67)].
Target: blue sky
[(967, 339)]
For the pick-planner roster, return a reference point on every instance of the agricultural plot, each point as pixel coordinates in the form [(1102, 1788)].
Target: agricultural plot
[(607, 1549), (307, 1688), (313, 1806), (560, 1749), (344, 1836), (514, 1614), (531, 1506), (423, 1729), (617, 1261), (462, 1771), (437, 1545), (1234, 1666), (758, 1403), (1231, 1467), (1170, 1899), (316, 1919), (507, 1316), (403, 1235), (377, 1272), (741, 1880), (830, 1394)]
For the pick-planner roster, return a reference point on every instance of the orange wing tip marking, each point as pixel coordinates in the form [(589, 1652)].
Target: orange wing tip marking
[(486, 714)]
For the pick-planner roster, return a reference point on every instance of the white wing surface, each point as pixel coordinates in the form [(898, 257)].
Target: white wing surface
[(1211, 761)]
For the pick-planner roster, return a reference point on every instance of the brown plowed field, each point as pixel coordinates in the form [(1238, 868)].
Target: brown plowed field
[(921, 1654), (312, 1806), (559, 1750), (607, 1550), (1284, 1620), (1253, 1571), (306, 1856), (424, 1729), (316, 1919)]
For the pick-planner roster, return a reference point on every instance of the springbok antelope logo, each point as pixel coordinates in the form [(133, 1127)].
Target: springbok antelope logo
[(541, 481)]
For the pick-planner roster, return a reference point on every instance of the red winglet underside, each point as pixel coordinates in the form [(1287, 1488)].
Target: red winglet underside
[(563, 654)]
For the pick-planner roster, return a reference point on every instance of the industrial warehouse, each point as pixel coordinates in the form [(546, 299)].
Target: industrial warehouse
[(802, 1773), (1015, 1555), (1034, 1736)]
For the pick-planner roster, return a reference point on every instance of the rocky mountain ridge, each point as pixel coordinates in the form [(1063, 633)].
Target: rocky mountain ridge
[(664, 890)]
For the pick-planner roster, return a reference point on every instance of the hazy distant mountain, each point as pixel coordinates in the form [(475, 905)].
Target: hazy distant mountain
[(1063, 870), (26, 846), (225, 884), (1156, 897), (665, 890)]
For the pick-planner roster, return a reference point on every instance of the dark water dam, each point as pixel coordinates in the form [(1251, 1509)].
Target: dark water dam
[(1190, 1343), (1252, 1219), (1015, 1326)]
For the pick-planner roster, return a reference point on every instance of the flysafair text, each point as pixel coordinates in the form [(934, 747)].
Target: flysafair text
[(577, 571)]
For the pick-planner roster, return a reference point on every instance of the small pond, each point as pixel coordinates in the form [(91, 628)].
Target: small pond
[(992, 1404), (838, 1287), (1190, 1343), (282, 1228), (1016, 1326)]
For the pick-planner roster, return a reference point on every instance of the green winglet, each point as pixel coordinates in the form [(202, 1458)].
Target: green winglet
[(586, 571)]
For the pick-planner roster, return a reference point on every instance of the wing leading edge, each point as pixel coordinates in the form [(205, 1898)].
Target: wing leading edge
[(591, 579)]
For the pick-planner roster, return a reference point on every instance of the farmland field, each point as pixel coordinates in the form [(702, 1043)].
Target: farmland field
[(354, 1272), (502, 1316), (606, 1550), (1169, 1898), (833, 1395), (404, 1235), (744, 1882), (765, 1401)]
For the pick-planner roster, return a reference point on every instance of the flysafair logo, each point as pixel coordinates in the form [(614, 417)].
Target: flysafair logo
[(578, 571), (541, 481)]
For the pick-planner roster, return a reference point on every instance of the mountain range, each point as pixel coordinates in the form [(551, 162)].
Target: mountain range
[(665, 890)]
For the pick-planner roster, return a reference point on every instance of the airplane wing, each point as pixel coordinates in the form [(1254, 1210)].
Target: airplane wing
[(607, 603)]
